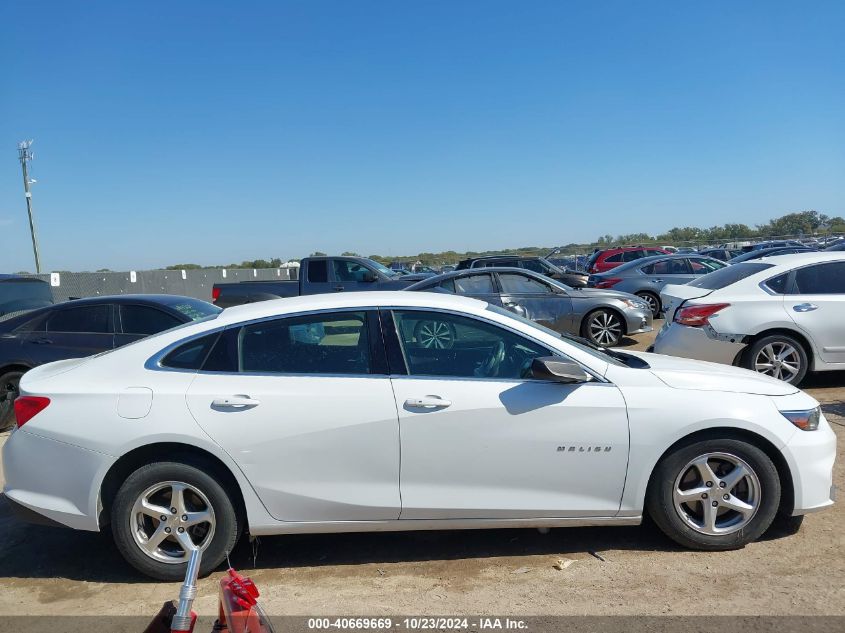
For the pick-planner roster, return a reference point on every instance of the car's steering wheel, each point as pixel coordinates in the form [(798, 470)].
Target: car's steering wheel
[(489, 367)]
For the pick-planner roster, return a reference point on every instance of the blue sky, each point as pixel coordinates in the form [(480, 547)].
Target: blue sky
[(212, 132)]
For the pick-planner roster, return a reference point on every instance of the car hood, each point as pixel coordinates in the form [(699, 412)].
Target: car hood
[(683, 373)]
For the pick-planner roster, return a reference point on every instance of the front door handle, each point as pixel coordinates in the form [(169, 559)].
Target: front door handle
[(338, 288), (657, 281), (235, 402), (43, 341), (427, 402), (805, 307)]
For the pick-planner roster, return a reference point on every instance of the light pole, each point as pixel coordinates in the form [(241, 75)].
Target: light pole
[(25, 155)]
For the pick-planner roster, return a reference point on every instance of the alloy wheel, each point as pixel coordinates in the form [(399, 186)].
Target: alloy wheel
[(651, 301), (717, 493), (605, 328), (435, 335), (778, 359), (171, 518)]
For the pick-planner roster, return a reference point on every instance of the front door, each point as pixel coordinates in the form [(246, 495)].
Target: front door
[(481, 439), (306, 410), (536, 300), (817, 305)]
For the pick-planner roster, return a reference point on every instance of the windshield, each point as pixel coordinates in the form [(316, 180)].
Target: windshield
[(384, 270), (608, 356), (723, 277), (194, 309)]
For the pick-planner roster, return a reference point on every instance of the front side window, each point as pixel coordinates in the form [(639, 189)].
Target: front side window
[(346, 270), (820, 279), (533, 265), (667, 267), (443, 344), (522, 284), (145, 320), (334, 343), (474, 285), (629, 256), (703, 266), (94, 319)]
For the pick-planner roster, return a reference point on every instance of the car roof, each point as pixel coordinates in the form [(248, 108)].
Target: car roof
[(340, 301), (466, 272)]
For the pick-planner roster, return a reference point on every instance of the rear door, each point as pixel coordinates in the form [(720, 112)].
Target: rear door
[(136, 321), (536, 300), (304, 406), (816, 303), (316, 280), (71, 332)]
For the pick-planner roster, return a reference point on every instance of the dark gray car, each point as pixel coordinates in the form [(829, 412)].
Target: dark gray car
[(646, 277), (602, 316)]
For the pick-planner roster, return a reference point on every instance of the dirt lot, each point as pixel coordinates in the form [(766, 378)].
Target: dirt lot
[(52, 571)]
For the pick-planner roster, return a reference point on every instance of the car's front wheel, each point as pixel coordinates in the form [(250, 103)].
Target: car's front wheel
[(603, 327), (716, 494), (652, 300), (164, 510), (779, 356)]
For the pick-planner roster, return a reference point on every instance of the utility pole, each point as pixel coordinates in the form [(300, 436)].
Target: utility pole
[(25, 155)]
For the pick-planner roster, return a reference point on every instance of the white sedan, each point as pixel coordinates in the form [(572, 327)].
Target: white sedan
[(328, 413), (781, 316)]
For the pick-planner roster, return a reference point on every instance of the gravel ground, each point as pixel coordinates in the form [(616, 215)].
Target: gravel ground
[(49, 571)]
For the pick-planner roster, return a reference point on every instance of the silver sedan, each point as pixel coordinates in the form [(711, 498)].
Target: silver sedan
[(601, 316), (646, 277)]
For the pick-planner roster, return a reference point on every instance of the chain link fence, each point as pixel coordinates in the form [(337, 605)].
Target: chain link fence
[(195, 283)]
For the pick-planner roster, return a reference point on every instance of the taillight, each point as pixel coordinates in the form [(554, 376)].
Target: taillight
[(697, 316), (215, 295), (27, 407), (608, 283)]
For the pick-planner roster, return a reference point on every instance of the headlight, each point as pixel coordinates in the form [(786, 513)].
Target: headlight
[(636, 305), (804, 420)]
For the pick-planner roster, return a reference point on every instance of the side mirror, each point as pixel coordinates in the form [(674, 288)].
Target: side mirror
[(370, 276), (558, 370)]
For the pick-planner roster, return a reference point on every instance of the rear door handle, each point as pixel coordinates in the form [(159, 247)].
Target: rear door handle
[(805, 307), (235, 402), (428, 402), (43, 341), (338, 288)]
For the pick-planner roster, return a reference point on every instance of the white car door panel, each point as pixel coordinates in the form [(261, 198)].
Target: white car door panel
[(817, 306), (482, 439), (316, 446), (511, 449)]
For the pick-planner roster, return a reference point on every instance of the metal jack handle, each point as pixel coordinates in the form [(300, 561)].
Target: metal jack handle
[(184, 618)]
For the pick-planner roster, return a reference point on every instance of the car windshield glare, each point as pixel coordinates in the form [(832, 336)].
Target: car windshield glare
[(724, 277)]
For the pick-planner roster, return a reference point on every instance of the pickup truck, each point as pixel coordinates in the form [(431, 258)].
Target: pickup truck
[(317, 275)]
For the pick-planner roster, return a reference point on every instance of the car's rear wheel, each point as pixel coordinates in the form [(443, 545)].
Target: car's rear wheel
[(9, 390), (779, 356), (717, 494), (652, 300), (603, 327), (164, 510)]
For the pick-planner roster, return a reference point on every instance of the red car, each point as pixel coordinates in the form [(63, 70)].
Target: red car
[(607, 259)]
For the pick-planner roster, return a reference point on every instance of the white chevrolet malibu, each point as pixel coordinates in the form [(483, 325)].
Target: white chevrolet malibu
[(402, 411)]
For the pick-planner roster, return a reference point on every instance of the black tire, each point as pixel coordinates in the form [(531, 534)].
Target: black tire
[(759, 349), (785, 525), (595, 319), (660, 498), (227, 525), (435, 334), (652, 300), (9, 389)]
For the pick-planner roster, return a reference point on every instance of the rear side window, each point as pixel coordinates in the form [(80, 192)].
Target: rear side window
[(336, 343), (448, 284), (94, 319), (191, 355), (532, 264), (777, 284), (318, 271), (614, 258), (629, 256), (522, 284), (820, 279), (729, 275), (145, 320), (474, 285)]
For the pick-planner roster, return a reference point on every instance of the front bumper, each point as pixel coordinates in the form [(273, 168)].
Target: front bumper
[(696, 343), (638, 322), (53, 479), (810, 456)]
